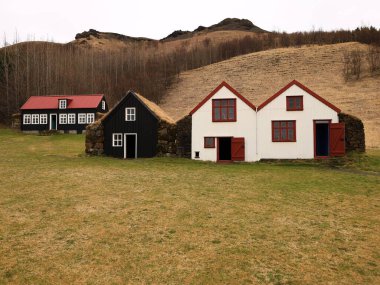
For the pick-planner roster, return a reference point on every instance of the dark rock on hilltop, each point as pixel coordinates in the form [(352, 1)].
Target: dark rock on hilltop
[(176, 34), (105, 35)]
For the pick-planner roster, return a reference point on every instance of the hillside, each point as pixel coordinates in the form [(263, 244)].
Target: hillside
[(259, 75)]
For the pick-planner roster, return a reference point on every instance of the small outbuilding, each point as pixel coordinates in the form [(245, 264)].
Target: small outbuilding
[(135, 127), (65, 113)]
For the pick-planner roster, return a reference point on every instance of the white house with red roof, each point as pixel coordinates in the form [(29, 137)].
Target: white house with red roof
[(295, 123), (224, 127), (66, 113)]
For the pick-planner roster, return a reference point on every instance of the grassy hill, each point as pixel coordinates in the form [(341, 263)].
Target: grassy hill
[(259, 75)]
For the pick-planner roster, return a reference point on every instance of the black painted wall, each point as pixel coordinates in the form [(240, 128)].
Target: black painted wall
[(145, 126)]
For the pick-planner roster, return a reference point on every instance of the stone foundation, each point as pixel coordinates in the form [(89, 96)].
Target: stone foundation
[(354, 128)]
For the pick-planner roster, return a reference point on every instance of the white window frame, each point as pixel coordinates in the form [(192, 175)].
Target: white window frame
[(130, 114), (90, 118), (27, 119), (82, 118), (62, 103), (35, 119), (71, 118), (117, 139), (43, 119), (103, 105), (63, 119)]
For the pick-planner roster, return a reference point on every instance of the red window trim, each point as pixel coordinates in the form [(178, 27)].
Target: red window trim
[(294, 129), (220, 120), (211, 146), (295, 108)]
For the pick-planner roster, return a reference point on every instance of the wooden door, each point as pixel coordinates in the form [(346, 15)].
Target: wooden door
[(337, 137), (237, 149)]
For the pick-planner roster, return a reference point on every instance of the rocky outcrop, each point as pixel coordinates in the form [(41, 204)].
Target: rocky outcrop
[(354, 131)]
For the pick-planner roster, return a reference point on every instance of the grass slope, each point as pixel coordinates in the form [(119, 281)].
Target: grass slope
[(68, 218), (257, 76)]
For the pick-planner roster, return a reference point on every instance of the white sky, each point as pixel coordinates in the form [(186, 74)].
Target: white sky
[(61, 20)]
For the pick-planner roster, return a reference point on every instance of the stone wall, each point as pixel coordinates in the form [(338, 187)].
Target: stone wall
[(166, 145), (16, 121), (95, 138), (354, 128), (183, 142)]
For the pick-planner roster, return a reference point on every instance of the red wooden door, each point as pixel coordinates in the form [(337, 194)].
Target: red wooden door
[(337, 144), (237, 149)]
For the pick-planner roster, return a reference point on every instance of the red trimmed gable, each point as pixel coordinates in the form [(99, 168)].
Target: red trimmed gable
[(303, 87), (221, 85), (73, 102)]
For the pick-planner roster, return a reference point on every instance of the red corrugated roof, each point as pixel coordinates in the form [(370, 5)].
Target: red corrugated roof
[(51, 101)]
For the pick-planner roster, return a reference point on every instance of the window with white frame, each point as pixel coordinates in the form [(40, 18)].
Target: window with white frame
[(103, 105), (27, 119), (63, 119), (81, 118), (130, 114), (35, 119), (43, 119), (71, 118), (90, 118), (62, 104), (117, 140)]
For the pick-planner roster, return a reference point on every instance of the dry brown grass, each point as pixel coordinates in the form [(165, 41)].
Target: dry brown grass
[(258, 76)]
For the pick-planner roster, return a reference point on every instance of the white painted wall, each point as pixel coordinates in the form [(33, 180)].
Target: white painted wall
[(203, 126), (313, 109)]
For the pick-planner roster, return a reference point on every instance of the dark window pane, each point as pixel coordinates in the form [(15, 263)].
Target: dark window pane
[(283, 134), (276, 124), (216, 103), (224, 103), (283, 124), (290, 124), (231, 113), (231, 102), (298, 102), (276, 134), (291, 103), (224, 113), (217, 114)]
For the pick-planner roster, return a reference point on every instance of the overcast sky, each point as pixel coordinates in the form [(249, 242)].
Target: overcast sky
[(61, 20)]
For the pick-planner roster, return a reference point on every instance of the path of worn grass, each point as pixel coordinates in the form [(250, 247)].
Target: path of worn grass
[(67, 218)]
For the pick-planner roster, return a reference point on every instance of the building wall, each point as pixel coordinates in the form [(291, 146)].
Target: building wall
[(303, 148), (203, 126)]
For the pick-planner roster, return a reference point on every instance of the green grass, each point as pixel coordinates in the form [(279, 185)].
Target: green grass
[(69, 218)]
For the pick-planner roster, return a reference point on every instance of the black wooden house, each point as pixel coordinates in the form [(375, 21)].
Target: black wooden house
[(134, 127), (65, 113)]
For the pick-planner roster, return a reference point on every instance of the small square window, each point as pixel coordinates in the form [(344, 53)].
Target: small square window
[(43, 119), (197, 154), (294, 103), (63, 119), (71, 118), (27, 119), (81, 118), (209, 142), (90, 118), (130, 114), (63, 104), (283, 131), (117, 140)]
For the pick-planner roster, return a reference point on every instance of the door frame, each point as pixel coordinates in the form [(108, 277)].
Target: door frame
[(56, 121), (217, 148), (315, 122), (125, 144)]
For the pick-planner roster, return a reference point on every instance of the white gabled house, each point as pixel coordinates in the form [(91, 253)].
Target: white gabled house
[(224, 127), (295, 123)]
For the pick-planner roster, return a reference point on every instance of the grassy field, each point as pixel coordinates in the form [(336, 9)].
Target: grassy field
[(68, 218)]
